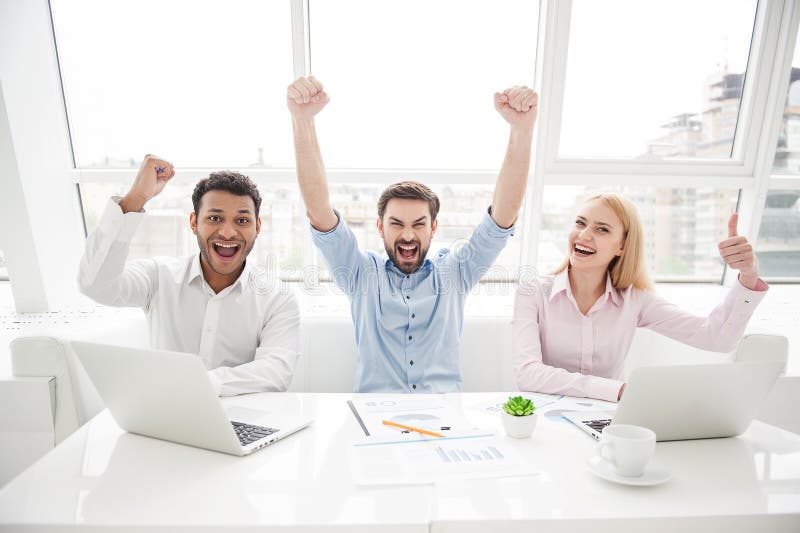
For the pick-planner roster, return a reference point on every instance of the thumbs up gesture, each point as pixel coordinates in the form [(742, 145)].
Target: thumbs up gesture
[(738, 254)]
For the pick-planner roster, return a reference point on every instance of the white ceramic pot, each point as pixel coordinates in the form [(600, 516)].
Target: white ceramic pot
[(519, 427)]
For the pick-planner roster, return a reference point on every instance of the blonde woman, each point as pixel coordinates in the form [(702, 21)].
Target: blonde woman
[(572, 329)]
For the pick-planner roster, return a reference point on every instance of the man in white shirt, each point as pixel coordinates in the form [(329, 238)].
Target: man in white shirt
[(216, 304)]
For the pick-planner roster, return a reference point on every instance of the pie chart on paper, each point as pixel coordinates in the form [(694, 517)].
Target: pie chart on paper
[(419, 420)]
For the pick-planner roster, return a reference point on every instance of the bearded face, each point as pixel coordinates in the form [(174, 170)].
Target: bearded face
[(407, 232)]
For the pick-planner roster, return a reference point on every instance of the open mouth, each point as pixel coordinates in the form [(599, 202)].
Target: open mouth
[(407, 252), (583, 251), (226, 251)]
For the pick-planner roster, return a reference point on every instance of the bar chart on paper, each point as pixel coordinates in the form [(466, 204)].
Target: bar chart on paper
[(468, 455), (436, 459)]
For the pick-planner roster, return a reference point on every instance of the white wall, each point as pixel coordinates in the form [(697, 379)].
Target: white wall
[(42, 230)]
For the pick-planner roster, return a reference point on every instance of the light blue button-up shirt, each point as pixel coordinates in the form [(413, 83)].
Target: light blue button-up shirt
[(408, 326)]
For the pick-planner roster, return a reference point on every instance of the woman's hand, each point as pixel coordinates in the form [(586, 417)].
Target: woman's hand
[(738, 254)]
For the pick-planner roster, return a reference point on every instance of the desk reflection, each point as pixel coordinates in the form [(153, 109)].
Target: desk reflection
[(148, 480)]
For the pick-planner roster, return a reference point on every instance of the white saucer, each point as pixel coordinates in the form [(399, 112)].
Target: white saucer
[(652, 474)]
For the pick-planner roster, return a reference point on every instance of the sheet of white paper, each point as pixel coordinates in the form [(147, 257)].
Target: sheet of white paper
[(546, 403), (424, 412), (438, 459)]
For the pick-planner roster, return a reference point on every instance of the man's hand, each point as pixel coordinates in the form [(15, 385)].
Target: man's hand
[(150, 181), (305, 98), (518, 105), (738, 254)]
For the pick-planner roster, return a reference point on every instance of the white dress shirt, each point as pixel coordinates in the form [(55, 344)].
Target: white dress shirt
[(247, 335)]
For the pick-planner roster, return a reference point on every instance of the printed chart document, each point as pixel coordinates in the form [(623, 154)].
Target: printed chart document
[(428, 460), (428, 412), (388, 455)]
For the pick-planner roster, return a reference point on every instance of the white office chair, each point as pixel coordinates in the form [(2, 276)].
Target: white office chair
[(759, 347), (780, 406), (76, 399)]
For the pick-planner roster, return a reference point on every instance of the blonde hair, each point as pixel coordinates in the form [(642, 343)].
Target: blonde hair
[(629, 268)]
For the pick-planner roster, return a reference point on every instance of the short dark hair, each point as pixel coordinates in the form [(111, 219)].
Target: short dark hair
[(226, 180), (410, 190)]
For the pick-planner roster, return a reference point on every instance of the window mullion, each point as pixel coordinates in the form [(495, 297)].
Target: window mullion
[(301, 38)]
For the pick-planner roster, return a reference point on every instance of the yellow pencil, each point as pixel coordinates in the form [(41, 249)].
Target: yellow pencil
[(418, 430)]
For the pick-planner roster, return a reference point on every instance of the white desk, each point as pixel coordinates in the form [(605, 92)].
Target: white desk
[(105, 478)]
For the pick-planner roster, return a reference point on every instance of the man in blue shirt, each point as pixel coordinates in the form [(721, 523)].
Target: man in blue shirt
[(407, 307)]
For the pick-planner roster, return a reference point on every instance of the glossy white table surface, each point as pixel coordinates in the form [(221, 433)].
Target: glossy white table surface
[(106, 478)]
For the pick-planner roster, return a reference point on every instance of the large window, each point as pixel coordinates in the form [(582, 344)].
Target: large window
[(646, 98), (655, 79), (200, 83)]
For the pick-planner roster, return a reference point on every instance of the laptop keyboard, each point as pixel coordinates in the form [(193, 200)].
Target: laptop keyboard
[(598, 425), (248, 433)]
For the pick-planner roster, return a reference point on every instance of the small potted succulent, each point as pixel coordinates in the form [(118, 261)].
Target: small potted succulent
[(519, 417)]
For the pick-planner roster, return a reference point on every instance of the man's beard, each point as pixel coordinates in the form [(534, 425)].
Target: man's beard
[(398, 261)]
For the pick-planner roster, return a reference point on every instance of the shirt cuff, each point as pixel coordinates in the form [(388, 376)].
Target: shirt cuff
[(761, 285), (748, 298), (118, 225), (604, 388), (489, 227), (331, 233)]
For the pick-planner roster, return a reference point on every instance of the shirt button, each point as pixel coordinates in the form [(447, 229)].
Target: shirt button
[(407, 276), (408, 297), (411, 363), (413, 315), (410, 337), (414, 386)]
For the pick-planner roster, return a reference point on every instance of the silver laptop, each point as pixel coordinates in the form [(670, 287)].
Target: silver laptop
[(168, 395), (688, 401)]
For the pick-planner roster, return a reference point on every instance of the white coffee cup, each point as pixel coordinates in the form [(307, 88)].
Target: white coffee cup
[(628, 448)]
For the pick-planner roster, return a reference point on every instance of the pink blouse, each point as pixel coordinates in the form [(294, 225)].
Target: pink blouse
[(558, 350)]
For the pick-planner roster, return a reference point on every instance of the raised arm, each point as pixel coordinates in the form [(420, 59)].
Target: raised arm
[(104, 274), (519, 106), (153, 175), (305, 98), (720, 330)]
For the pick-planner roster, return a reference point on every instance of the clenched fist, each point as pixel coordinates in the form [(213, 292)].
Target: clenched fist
[(305, 97), (518, 105), (153, 175)]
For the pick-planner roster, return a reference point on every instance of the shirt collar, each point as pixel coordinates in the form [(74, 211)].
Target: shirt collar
[(615, 294), (196, 271), (426, 265), (561, 284)]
